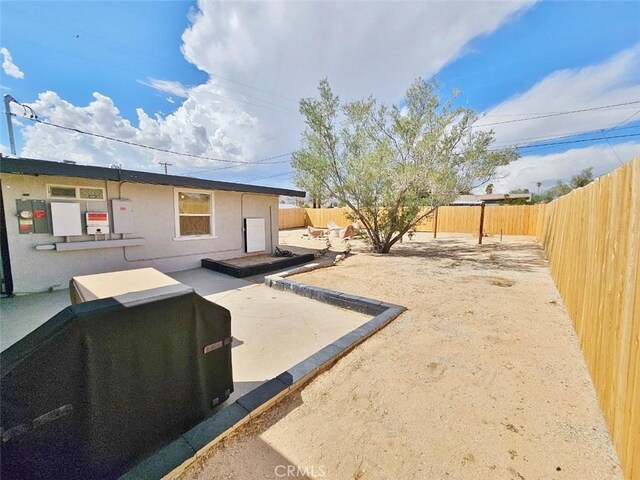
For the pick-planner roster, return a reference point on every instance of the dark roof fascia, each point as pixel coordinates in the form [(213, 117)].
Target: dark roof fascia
[(28, 166)]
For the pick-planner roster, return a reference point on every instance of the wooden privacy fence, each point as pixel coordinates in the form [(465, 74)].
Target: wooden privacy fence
[(510, 219), (592, 239), (319, 217), (291, 218)]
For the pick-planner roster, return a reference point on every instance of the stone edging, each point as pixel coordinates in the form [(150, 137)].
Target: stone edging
[(171, 460)]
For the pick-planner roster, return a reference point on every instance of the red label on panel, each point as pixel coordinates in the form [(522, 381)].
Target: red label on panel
[(97, 217), (25, 227), (123, 209), (39, 214)]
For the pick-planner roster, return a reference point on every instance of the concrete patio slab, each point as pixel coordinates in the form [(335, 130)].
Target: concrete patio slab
[(273, 330), (22, 314)]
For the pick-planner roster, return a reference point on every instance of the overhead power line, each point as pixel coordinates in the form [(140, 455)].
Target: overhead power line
[(228, 167), (280, 174), (624, 121), (557, 114), (263, 161), (140, 145), (238, 163), (573, 141), (528, 114), (526, 140), (611, 146)]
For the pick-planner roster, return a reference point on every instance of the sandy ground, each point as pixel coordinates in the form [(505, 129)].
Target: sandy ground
[(251, 260), (482, 377)]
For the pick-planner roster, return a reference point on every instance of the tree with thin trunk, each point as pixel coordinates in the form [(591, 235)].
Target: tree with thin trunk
[(581, 179), (387, 163)]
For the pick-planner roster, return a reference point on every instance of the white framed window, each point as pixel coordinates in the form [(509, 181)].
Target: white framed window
[(72, 192), (194, 214)]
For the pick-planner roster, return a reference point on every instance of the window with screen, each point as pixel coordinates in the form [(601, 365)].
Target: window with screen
[(75, 192), (193, 213), (85, 193), (62, 192)]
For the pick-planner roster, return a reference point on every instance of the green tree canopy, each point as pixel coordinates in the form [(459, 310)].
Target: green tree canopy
[(581, 179), (387, 162)]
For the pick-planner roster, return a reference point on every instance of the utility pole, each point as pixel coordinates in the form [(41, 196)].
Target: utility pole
[(7, 109), (165, 164)]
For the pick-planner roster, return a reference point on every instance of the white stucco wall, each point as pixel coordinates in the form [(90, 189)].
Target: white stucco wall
[(154, 219)]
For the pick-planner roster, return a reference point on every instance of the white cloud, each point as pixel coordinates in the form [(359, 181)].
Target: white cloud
[(285, 48), (282, 50), (549, 168), (167, 86), (202, 125), (614, 81), (8, 66), (364, 48)]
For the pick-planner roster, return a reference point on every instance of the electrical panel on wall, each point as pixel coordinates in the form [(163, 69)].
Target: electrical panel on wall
[(122, 216), (66, 219), (254, 235), (97, 223), (32, 216)]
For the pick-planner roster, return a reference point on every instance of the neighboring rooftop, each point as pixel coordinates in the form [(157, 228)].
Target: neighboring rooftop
[(490, 198), (30, 166)]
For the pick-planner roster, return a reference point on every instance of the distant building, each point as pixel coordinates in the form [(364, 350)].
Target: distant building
[(491, 198)]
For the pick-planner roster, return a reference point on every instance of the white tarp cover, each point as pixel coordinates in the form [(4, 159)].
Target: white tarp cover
[(105, 285)]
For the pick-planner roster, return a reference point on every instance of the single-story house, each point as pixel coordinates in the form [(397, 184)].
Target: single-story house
[(61, 220)]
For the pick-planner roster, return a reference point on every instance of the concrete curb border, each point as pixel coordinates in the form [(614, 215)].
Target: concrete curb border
[(171, 460)]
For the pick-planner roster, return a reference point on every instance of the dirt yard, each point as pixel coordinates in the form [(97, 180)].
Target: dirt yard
[(482, 377)]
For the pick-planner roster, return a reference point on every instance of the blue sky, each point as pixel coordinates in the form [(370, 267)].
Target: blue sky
[(548, 37), (222, 80)]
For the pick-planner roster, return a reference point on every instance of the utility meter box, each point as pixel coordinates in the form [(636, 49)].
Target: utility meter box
[(97, 222), (32, 216), (122, 216)]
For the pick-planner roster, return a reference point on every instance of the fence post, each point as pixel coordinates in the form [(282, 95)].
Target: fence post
[(435, 224), (481, 223)]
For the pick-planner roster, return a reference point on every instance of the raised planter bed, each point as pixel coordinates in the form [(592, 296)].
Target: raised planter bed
[(241, 271)]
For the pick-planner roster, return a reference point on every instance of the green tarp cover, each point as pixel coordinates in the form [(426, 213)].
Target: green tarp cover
[(105, 383)]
